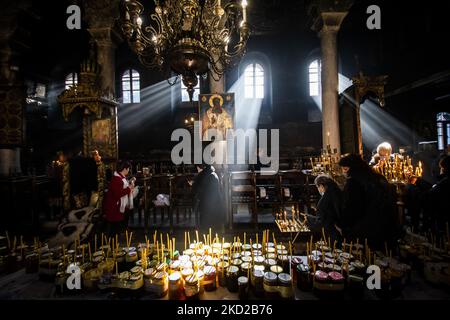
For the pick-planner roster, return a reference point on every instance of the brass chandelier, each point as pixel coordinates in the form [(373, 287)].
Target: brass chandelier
[(189, 37)]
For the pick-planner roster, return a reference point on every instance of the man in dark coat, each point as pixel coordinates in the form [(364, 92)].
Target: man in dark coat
[(208, 198), (437, 204), (329, 209), (369, 209)]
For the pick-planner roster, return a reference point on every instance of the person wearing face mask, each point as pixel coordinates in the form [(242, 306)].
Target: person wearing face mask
[(369, 204), (329, 209)]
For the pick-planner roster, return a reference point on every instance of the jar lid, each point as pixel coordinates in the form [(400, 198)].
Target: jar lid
[(209, 270), (271, 256), (174, 277), (276, 269), (161, 266), (282, 252), (136, 269), (188, 252), (283, 258), (132, 253), (270, 276), (236, 255), (302, 268), (258, 273), (175, 264), (160, 275), (199, 252), (245, 265), (260, 268), (217, 245), (233, 269), (257, 246), (297, 260), (226, 245), (129, 249), (237, 245), (320, 275), (97, 253), (148, 272), (257, 252), (246, 259), (242, 280), (187, 272), (270, 262), (192, 280), (135, 277), (281, 247), (222, 265), (236, 262), (186, 265), (246, 247), (246, 253), (284, 278), (258, 259), (270, 250), (270, 245)]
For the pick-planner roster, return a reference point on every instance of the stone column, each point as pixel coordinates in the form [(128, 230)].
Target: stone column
[(12, 105), (216, 86), (328, 18), (100, 16)]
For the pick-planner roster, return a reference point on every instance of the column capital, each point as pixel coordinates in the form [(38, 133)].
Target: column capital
[(105, 36), (101, 13), (328, 15)]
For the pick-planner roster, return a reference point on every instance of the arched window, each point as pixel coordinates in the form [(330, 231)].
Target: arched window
[(443, 129), (314, 78), (254, 81), (185, 94), (71, 80), (131, 86)]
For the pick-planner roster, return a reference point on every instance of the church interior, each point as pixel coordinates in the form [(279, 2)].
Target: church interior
[(224, 149)]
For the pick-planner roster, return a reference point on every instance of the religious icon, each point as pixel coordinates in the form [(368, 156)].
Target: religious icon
[(216, 112), (101, 132)]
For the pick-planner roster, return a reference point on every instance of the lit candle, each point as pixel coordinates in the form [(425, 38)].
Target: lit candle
[(244, 10)]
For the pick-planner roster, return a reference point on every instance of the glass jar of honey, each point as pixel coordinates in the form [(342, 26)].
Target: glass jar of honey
[(192, 287), (232, 277), (209, 280)]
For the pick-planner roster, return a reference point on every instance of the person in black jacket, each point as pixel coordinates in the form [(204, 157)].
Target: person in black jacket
[(208, 198), (437, 205), (369, 205), (329, 209)]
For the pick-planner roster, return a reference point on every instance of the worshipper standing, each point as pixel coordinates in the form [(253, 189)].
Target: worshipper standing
[(118, 199), (329, 209), (437, 205), (208, 198), (369, 205)]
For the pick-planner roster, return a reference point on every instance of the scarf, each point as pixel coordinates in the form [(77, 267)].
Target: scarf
[(126, 200)]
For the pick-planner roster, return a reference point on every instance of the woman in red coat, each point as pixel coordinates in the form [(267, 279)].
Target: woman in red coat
[(118, 199)]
